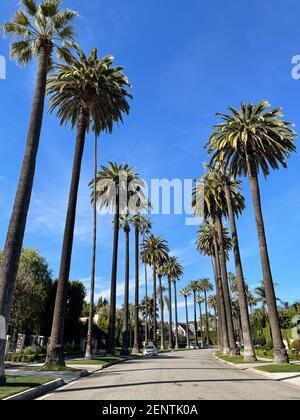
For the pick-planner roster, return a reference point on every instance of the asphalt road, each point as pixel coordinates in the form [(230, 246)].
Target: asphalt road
[(186, 375)]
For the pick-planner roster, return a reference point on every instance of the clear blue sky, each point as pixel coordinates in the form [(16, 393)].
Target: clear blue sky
[(186, 61)]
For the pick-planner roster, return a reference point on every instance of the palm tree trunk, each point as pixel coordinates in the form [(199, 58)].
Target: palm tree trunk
[(232, 343), (206, 318), (195, 318), (249, 353), (201, 326), (113, 291), (126, 331), (15, 234), (162, 333), (280, 353), (187, 323), (176, 317), (154, 306), (222, 310), (89, 344), (219, 330), (170, 313), (146, 293), (136, 345), (55, 352)]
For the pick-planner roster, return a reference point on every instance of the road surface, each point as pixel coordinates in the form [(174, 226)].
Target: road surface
[(187, 375)]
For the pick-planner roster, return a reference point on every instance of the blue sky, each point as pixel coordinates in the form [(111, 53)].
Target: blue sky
[(186, 62)]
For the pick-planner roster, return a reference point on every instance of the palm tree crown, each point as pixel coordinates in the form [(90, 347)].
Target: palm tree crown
[(254, 134), (154, 250), (205, 239), (40, 25), (93, 85)]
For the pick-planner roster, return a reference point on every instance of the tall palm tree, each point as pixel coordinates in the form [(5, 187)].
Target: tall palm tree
[(212, 304), (200, 300), (37, 29), (160, 274), (230, 189), (174, 271), (207, 244), (194, 286), (206, 287), (125, 222), (146, 227), (155, 252), (250, 140), (177, 273), (88, 89), (116, 185), (138, 222), (185, 292), (89, 343), (215, 208)]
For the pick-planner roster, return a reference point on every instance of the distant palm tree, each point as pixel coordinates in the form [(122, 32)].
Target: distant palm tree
[(89, 341), (87, 90), (125, 223), (146, 227), (207, 244), (206, 287), (194, 286), (36, 30), (250, 140), (185, 292), (200, 300), (116, 184), (212, 304), (177, 273), (155, 252), (160, 274)]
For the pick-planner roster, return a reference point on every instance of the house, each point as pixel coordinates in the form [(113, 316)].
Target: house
[(296, 327), (182, 330)]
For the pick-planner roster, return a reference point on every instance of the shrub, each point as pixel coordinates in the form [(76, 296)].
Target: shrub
[(33, 350), (296, 346), (260, 341)]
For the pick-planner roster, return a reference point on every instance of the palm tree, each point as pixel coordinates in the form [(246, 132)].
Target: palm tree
[(137, 221), (160, 274), (116, 185), (89, 343), (194, 286), (177, 273), (215, 208), (89, 89), (200, 300), (185, 292), (206, 287), (207, 244), (248, 141), (212, 304), (154, 252), (36, 30), (234, 201), (146, 227), (125, 222)]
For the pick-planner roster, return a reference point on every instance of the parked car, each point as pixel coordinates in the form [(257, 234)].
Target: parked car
[(194, 346), (150, 350)]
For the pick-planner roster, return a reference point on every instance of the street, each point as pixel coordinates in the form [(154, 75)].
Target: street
[(186, 375)]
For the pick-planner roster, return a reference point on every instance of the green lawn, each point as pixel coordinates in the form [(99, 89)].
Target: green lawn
[(101, 360), (280, 368), (238, 360), (17, 384)]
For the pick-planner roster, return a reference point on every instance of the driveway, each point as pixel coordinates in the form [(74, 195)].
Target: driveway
[(187, 375)]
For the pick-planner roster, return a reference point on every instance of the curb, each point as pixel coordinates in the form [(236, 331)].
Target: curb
[(226, 362), (268, 375), (36, 392)]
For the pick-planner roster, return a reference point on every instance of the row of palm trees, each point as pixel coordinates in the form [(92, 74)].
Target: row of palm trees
[(86, 91), (248, 141), (199, 289)]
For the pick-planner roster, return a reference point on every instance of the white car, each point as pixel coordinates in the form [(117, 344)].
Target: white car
[(150, 350), (194, 346)]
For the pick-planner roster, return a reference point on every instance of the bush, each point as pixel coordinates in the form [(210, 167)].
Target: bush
[(296, 346), (34, 350), (260, 341)]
